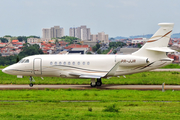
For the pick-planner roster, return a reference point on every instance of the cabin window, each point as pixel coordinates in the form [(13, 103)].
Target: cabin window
[(83, 63), (64, 63), (60, 63), (88, 63), (27, 61), (55, 63), (51, 63), (73, 63), (69, 63), (78, 63)]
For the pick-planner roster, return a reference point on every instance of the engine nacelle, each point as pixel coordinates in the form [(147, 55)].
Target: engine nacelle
[(133, 61)]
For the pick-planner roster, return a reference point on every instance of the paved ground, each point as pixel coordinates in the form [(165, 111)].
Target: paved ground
[(133, 87)]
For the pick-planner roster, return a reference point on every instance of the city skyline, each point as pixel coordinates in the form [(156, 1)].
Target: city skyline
[(117, 18)]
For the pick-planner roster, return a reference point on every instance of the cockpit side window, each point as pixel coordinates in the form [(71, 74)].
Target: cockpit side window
[(24, 61), (27, 61), (20, 60)]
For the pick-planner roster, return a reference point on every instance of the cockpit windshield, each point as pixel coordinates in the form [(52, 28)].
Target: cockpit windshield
[(24, 61), (27, 61)]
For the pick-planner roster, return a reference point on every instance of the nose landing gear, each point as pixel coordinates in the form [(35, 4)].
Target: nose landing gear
[(31, 79)]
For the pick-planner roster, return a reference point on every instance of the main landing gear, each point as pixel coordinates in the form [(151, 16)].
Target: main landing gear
[(31, 79), (94, 83)]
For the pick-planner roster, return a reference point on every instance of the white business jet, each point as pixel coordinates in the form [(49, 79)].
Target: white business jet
[(152, 55)]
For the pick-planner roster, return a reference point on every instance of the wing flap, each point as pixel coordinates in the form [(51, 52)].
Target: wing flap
[(85, 75), (90, 76)]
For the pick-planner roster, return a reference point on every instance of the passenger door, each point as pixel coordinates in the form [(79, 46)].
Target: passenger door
[(37, 66)]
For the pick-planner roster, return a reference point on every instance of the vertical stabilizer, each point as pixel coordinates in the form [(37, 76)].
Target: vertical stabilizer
[(156, 46)]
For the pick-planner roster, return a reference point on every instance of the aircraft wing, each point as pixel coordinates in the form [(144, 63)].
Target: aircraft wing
[(110, 73), (85, 75), (113, 70)]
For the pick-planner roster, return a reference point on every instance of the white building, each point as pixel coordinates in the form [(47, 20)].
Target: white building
[(46, 33), (139, 40), (82, 33), (53, 32), (33, 40), (104, 38)]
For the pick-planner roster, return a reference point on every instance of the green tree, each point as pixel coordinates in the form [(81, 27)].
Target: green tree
[(69, 39), (139, 45), (22, 38), (29, 49), (4, 40), (98, 46), (116, 44), (115, 51), (7, 36), (17, 59), (33, 36), (99, 51), (94, 48), (89, 52)]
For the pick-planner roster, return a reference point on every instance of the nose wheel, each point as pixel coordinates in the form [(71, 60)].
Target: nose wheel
[(31, 84), (31, 79)]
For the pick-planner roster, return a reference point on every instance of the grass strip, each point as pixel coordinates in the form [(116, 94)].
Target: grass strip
[(89, 111), (45, 104), (56, 95)]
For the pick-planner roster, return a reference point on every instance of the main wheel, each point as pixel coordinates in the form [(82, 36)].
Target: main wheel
[(31, 85), (93, 85), (98, 83)]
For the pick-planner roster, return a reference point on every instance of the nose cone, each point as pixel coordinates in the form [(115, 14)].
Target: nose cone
[(4, 70)]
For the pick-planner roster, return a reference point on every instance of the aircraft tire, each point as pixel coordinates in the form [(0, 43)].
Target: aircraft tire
[(31, 85), (98, 83), (93, 85)]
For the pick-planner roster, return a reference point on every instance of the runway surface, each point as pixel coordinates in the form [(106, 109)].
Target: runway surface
[(82, 87)]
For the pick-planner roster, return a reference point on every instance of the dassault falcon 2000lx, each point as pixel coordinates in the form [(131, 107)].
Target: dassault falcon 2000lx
[(152, 55)]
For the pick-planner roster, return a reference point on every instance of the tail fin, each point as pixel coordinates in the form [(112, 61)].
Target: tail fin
[(156, 46)]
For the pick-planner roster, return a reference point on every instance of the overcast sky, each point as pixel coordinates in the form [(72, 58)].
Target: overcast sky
[(114, 17)]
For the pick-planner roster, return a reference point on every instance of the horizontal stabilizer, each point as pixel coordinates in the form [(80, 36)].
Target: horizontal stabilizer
[(166, 59), (161, 49)]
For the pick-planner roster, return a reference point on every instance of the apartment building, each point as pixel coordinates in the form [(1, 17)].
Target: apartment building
[(102, 37), (82, 32), (33, 40), (53, 32)]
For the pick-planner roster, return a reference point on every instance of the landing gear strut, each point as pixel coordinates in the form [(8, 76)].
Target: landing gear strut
[(31, 84), (94, 83)]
